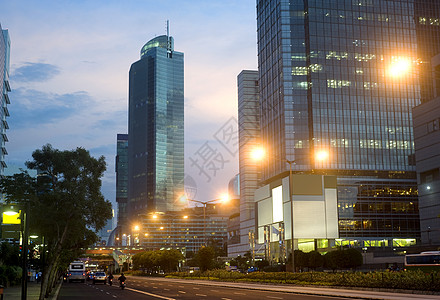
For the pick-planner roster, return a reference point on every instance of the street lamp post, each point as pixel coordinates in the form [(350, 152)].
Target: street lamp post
[(25, 252)]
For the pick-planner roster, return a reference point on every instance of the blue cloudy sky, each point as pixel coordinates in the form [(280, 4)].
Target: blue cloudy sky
[(69, 76)]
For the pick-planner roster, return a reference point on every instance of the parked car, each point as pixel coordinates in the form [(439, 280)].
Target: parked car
[(100, 277)]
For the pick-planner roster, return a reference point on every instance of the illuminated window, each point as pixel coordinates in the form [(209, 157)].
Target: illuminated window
[(337, 84)]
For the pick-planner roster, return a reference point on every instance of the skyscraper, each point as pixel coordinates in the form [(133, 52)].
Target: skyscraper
[(155, 121), (325, 85), (249, 138), (121, 169), (5, 44)]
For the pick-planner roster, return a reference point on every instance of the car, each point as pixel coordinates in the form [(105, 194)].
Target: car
[(99, 277), (90, 275)]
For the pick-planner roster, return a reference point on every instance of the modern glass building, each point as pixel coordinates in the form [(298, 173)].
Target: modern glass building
[(156, 120), (326, 83), (5, 45), (121, 170)]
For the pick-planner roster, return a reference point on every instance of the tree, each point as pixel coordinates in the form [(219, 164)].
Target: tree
[(352, 258), (66, 201), (315, 260), (205, 258)]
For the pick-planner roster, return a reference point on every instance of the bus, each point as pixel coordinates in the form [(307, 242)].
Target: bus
[(77, 271), (425, 261)]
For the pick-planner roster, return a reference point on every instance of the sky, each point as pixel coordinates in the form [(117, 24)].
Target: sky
[(69, 78)]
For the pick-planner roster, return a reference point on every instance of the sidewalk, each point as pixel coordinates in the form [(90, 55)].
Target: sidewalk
[(33, 291), (14, 292)]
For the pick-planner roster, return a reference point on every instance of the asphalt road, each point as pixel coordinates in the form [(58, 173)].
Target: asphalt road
[(152, 288)]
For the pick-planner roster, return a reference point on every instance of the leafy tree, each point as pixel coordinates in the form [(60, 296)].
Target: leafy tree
[(205, 258), (301, 259), (352, 258), (315, 260), (169, 259), (66, 201)]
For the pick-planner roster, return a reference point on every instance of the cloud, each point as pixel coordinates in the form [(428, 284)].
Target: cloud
[(35, 72), (31, 108)]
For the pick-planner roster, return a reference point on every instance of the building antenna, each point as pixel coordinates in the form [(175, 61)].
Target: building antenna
[(169, 41)]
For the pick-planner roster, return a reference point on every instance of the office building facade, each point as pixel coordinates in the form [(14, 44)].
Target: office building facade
[(5, 45), (188, 229), (325, 85), (156, 116)]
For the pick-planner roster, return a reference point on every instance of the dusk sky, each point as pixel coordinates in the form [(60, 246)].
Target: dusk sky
[(69, 76)]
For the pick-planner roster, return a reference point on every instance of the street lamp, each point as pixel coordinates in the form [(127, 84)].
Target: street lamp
[(223, 199)]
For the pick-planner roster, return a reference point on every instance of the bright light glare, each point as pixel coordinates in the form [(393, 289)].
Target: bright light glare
[(136, 227), (11, 213), (154, 216), (322, 155), (400, 67), (185, 217), (161, 228), (224, 198), (258, 153)]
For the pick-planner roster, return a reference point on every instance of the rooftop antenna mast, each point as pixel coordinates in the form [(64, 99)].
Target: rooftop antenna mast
[(169, 42)]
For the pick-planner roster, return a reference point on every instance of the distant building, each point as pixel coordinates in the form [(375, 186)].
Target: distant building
[(155, 130), (121, 169), (5, 45), (243, 234), (426, 119), (188, 229)]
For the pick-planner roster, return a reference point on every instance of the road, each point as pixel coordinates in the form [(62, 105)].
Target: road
[(158, 288)]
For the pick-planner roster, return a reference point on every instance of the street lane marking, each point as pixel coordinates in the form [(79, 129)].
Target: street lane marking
[(201, 295), (155, 287), (182, 292), (236, 293), (166, 289), (181, 286), (114, 296), (215, 291), (149, 294), (272, 297), (226, 299), (196, 288)]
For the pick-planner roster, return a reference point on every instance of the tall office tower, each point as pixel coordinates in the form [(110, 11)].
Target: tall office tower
[(121, 170), (5, 45), (325, 84), (249, 138), (155, 129), (426, 119), (427, 20)]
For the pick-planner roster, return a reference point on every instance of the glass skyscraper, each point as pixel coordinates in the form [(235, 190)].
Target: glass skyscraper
[(155, 134), (5, 44), (325, 85), (121, 169)]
